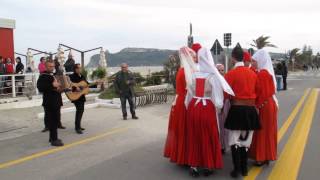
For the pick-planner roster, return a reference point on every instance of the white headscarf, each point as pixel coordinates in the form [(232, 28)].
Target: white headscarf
[(186, 58), (220, 85), (264, 62)]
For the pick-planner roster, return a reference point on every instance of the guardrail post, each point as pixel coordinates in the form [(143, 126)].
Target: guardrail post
[(13, 83)]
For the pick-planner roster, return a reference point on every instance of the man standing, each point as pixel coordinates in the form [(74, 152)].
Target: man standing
[(284, 75), (76, 77), (243, 118), (124, 83), (69, 63), (2, 72), (52, 101)]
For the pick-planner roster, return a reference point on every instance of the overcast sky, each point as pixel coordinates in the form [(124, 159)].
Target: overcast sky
[(116, 24)]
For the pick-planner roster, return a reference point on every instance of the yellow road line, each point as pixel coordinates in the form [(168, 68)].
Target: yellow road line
[(54, 150), (255, 171), (288, 164)]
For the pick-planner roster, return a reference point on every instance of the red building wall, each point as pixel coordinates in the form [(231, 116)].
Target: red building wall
[(6, 43)]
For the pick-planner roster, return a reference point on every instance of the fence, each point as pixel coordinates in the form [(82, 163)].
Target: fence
[(15, 85)]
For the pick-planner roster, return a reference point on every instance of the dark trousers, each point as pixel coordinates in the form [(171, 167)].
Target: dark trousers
[(52, 115), (46, 120), (79, 112), (284, 79), (123, 99)]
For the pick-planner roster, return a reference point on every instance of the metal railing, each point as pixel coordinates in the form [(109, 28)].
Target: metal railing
[(15, 85)]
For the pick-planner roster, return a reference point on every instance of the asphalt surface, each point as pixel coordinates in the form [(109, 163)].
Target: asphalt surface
[(113, 149)]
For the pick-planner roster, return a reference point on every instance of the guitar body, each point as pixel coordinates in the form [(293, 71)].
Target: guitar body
[(75, 95)]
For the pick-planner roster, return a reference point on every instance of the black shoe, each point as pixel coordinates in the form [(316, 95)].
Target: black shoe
[(45, 130), (194, 172), (207, 172), (135, 117), (57, 142), (82, 129), (261, 163), (62, 127), (124, 118), (79, 131)]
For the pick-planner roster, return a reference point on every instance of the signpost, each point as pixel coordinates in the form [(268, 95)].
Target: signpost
[(216, 49)]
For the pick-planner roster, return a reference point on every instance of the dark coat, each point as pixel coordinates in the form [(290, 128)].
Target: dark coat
[(120, 79), (51, 98), (69, 65), (75, 78)]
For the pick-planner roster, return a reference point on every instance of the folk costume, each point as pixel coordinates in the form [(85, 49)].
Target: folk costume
[(205, 89), (264, 144), (243, 118), (176, 138)]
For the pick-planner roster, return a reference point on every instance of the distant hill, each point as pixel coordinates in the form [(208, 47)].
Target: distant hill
[(134, 57), (147, 57)]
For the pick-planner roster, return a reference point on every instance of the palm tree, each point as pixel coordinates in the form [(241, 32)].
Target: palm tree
[(262, 42)]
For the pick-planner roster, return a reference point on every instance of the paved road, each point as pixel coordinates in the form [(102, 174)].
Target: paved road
[(112, 149)]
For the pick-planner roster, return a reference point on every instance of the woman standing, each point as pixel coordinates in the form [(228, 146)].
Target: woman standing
[(264, 143), (204, 95), (176, 138)]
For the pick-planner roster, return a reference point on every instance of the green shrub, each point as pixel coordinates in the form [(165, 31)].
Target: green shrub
[(99, 73)]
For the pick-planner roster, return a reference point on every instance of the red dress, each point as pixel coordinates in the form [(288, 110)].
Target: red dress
[(203, 147), (264, 142), (176, 138)]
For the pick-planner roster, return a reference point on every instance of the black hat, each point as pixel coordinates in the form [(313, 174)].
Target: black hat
[(237, 53)]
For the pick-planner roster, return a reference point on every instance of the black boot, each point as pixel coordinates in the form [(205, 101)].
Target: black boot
[(235, 150), (194, 172), (244, 161)]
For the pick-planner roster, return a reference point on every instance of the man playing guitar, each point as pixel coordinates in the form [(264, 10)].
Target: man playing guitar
[(76, 77)]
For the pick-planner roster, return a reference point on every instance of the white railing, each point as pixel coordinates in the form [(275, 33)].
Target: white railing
[(13, 85)]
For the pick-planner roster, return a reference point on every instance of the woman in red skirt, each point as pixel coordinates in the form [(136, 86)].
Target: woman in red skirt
[(204, 98), (176, 139), (264, 144)]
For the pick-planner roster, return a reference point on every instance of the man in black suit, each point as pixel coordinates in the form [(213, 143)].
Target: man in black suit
[(76, 77), (124, 83), (52, 101)]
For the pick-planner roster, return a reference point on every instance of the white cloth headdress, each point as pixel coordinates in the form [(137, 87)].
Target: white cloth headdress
[(264, 62), (220, 85)]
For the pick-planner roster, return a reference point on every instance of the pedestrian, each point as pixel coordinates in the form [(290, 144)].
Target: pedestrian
[(264, 144), (2, 72), (204, 98), (242, 119), (69, 65), (19, 76), (176, 138), (124, 84), (222, 115), (52, 101), (279, 72), (284, 75), (77, 77), (42, 65)]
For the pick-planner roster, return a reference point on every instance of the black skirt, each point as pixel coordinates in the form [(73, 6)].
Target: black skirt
[(242, 118)]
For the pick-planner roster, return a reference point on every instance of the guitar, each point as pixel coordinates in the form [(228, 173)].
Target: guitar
[(76, 90)]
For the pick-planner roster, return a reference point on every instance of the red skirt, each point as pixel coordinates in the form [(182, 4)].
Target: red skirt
[(264, 141), (175, 148), (203, 147)]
